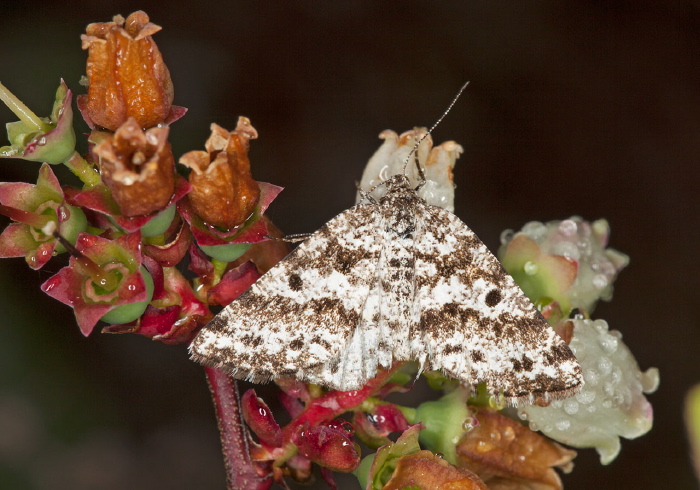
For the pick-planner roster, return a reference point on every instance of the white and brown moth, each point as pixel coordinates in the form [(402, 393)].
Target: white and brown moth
[(388, 280)]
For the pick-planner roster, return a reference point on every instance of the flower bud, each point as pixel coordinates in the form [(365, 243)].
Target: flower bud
[(504, 452), (138, 167), (50, 139), (611, 403), (101, 276), (126, 73), (224, 193), (32, 207), (567, 261), (394, 157), (260, 419), (328, 446), (424, 470)]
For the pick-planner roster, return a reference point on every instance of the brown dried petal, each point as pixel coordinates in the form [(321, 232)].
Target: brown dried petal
[(506, 454), (138, 167), (127, 75), (427, 471), (224, 193)]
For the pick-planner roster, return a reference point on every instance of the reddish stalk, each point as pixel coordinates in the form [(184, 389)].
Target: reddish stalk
[(240, 471), (98, 275), (32, 219)]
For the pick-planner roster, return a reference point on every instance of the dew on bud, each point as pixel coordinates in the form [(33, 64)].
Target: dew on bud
[(507, 236), (567, 249), (469, 423), (570, 406), (599, 281), (535, 229), (530, 268), (568, 227), (508, 433)]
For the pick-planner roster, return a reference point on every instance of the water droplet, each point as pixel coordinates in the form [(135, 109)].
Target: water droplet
[(468, 424), (567, 249), (599, 281), (534, 426), (563, 425), (508, 434), (535, 229), (262, 412), (591, 376), (483, 446), (530, 268), (585, 397), (523, 415), (42, 141), (608, 388), (608, 344), (568, 227), (570, 406), (506, 236), (440, 455), (604, 365)]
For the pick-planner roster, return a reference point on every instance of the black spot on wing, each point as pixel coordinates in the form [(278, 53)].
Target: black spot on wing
[(295, 282), (493, 298)]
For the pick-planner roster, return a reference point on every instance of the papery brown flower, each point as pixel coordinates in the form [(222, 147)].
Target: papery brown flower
[(224, 193), (138, 167), (506, 454), (127, 75), (426, 471)]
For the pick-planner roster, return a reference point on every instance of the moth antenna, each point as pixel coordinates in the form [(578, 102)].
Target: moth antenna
[(414, 150), (366, 195)]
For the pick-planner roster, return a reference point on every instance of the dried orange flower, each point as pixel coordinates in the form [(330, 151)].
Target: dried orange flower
[(224, 193), (505, 454), (138, 167), (126, 72), (426, 471)]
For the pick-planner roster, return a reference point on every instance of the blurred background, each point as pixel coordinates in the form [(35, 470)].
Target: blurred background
[(587, 108)]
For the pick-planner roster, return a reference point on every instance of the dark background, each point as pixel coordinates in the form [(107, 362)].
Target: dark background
[(587, 108)]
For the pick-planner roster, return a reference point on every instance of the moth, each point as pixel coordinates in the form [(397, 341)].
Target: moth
[(393, 279)]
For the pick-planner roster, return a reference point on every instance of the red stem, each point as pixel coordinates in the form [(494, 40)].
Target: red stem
[(27, 217), (240, 472)]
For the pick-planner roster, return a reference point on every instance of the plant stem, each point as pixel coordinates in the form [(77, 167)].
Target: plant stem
[(240, 472), (83, 170), (22, 111), (32, 219)]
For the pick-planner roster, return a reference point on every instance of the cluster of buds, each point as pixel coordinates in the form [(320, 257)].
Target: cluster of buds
[(135, 218), (135, 224)]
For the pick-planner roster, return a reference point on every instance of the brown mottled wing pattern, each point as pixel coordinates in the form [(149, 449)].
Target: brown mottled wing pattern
[(475, 324), (297, 318)]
